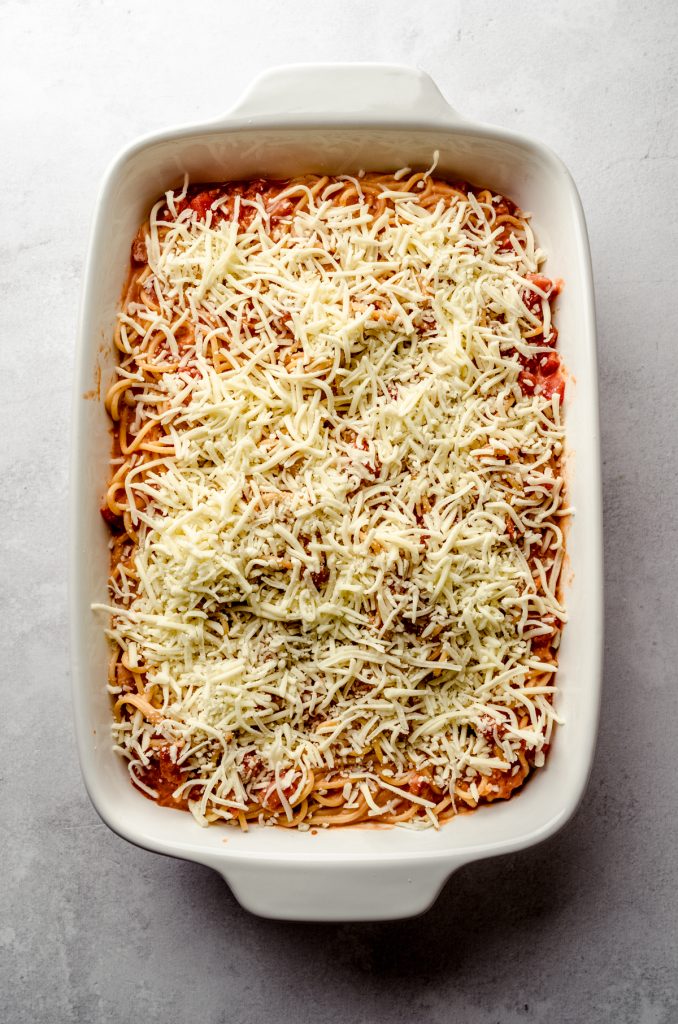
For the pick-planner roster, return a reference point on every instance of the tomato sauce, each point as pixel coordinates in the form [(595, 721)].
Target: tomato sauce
[(110, 518), (200, 199), (505, 782), (164, 776), (541, 374)]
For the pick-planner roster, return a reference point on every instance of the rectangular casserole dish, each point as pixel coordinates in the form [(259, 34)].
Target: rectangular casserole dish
[(335, 119)]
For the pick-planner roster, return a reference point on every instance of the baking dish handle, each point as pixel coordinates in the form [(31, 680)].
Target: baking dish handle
[(379, 93), (337, 892)]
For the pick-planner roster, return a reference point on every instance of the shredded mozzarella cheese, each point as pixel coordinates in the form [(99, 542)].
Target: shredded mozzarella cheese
[(356, 535)]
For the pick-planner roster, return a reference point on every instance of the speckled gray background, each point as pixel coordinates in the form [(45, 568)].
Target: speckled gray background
[(582, 929)]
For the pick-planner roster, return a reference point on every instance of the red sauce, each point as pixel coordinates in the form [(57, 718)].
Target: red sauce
[(505, 781), (252, 766), (541, 374), (490, 727), (272, 801), (320, 578), (422, 785), (200, 198), (115, 522), (506, 207), (542, 645), (164, 776)]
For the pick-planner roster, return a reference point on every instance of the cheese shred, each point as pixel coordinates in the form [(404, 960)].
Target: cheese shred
[(337, 502)]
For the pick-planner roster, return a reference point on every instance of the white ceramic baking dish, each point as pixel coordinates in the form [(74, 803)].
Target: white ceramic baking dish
[(338, 118)]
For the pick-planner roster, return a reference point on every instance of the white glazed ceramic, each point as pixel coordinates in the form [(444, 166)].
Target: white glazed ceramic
[(338, 118)]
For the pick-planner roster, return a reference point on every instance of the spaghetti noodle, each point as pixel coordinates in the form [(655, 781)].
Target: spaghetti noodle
[(336, 502)]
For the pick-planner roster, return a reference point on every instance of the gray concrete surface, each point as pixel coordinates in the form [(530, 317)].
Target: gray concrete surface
[(582, 929)]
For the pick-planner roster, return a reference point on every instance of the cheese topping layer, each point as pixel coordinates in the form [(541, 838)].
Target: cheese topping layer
[(341, 498)]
